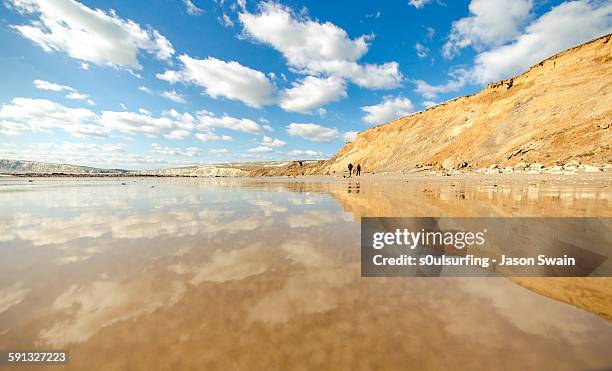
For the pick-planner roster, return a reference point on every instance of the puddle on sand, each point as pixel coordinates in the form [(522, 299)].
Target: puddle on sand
[(264, 274)]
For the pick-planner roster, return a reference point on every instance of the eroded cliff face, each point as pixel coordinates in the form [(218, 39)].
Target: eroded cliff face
[(559, 110)]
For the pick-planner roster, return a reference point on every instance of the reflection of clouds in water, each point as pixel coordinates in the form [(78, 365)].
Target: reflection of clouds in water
[(12, 295), (268, 207), (305, 199), (531, 313), (229, 265), (74, 195), (88, 309), (313, 291), (48, 230), (315, 218)]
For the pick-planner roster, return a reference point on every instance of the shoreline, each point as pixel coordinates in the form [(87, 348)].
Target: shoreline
[(603, 175)]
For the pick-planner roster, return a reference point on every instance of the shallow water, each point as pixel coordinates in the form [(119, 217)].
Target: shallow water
[(264, 274)]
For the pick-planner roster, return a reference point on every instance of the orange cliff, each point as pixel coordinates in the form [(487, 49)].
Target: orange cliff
[(558, 110)]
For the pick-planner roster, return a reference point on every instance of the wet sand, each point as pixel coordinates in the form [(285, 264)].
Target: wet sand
[(251, 273)]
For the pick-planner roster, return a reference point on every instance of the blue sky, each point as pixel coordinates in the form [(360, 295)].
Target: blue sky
[(160, 83)]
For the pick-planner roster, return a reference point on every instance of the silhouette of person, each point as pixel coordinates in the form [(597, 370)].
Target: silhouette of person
[(358, 170), (350, 168)]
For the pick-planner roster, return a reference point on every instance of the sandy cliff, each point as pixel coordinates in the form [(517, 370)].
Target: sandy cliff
[(559, 110)]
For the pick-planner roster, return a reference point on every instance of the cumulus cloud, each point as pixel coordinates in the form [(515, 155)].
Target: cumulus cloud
[(312, 93), (224, 79), (219, 151), (72, 93), (171, 125), (310, 154), (192, 9), (173, 96), (314, 48), (492, 22), (272, 142), (172, 151), (46, 85), (316, 132), (458, 79), (564, 26), (349, 136), (421, 50), (226, 21), (210, 136), (90, 154), (419, 4), (82, 97), (389, 109), (206, 121), (25, 115), (260, 149), (429, 103), (89, 35)]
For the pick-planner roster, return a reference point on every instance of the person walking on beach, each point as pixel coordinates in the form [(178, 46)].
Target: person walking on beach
[(358, 170), (350, 167)]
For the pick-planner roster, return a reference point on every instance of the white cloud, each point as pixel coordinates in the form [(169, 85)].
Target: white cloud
[(458, 78), (298, 153), (430, 32), (168, 94), (206, 121), (89, 35), (267, 127), (46, 85), (224, 79), (493, 22), (566, 25), (313, 132), (84, 66), (72, 93), (316, 48), (419, 4), (171, 125), (260, 149), (82, 97), (89, 154), (172, 151), (192, 9), (429, 104), (272, 142), (311, 93), (421, 50), (389, 109), (25, 115), (302, 41), (226, 21), (349, 136), (76, 96), (219, 151), (212, 137), (173, 96), (146, 90)]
